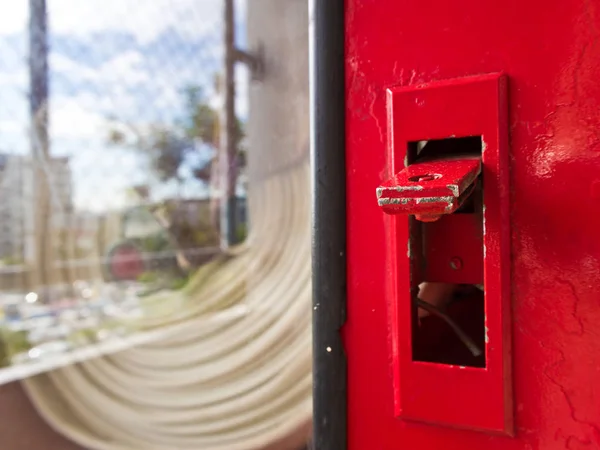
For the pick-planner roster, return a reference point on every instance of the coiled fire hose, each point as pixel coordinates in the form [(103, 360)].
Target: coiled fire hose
[(233, 370)]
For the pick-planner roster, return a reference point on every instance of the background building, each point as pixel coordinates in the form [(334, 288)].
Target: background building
[(17, 206)]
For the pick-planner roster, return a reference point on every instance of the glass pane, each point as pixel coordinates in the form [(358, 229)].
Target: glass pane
[(154, 221)]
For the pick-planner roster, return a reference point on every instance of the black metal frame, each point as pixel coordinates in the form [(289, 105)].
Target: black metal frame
[(329, 223)]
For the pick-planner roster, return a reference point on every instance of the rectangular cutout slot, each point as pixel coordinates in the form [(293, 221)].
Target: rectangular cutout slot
[(450, 256)]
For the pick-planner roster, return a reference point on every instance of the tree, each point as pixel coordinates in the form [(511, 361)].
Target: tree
[(168, 146)]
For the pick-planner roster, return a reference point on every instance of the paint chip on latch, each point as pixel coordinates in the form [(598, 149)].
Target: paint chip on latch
[(392, 201), (415, 187), (421, 200), (453, 188)]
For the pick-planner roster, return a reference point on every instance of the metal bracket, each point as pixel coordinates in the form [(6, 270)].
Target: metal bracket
[(253, 60)]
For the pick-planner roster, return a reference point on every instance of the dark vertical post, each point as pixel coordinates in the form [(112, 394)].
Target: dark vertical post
[(329, 222), (228, 148), (38, 74), (40, 145)]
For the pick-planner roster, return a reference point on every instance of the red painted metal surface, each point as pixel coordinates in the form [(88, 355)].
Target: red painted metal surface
[(552, 60), (430, 189), (433, 111), (453, 249)]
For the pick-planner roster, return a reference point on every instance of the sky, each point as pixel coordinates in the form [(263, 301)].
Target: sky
[(123, 59)]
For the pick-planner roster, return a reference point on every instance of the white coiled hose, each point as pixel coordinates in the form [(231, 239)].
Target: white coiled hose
[(233, 371)]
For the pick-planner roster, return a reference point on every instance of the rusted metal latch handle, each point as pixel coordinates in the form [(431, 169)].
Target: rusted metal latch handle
[(430, 189)]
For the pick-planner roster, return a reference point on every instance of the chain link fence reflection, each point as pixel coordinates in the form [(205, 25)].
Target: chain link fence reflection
[(108, 140)]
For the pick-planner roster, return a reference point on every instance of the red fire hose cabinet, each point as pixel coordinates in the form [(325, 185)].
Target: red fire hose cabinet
[(472, 163)]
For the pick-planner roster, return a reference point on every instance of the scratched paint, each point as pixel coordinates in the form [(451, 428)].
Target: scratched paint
[(454, 189), (434, 200), (394, 201), (415, 187)]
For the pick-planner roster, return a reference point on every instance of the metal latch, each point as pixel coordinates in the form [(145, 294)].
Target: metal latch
[(430, 189)]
